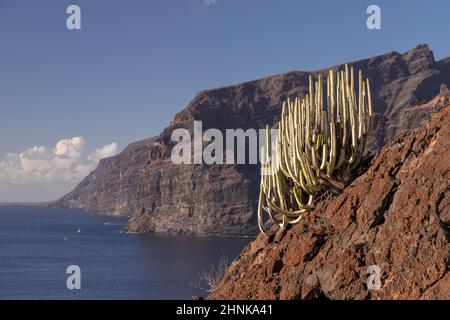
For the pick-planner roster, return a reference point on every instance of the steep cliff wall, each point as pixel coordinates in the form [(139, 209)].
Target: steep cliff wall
[(112, 187)]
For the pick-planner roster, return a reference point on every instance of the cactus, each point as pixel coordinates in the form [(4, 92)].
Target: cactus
[(321, 139)]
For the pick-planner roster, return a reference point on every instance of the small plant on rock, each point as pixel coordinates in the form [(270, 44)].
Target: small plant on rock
[(210, 278)]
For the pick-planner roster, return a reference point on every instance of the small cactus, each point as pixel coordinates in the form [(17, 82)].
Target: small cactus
[(320, 140)]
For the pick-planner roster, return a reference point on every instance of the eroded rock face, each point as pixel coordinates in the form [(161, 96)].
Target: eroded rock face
[(219, 199), (396, 216), (195, 199), (111, 188)]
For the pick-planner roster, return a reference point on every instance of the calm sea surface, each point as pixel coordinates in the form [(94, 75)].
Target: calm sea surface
[(37, 246)]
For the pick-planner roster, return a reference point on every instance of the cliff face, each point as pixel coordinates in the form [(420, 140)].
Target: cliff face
[(111, 187), (221, 199), (396, 216)]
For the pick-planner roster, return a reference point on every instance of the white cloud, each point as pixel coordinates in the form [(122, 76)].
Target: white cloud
[(63, 163), (103, 152), (69, 148)]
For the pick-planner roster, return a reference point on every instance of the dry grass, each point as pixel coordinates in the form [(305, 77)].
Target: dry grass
[(212, 275)]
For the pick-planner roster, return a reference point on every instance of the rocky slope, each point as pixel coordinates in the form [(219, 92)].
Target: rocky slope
[(396, 216), (221, 199)]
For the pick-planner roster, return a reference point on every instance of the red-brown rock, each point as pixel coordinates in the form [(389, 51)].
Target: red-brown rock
[(396, 216)]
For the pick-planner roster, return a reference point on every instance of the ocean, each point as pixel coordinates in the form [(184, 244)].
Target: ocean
[(37, 246)]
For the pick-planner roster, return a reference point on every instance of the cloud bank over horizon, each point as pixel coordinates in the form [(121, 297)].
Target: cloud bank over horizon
[(65, 164)]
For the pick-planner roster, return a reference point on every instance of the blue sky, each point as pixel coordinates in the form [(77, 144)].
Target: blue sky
[(136, 63)]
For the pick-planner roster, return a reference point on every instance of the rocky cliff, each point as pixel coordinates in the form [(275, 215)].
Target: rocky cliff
[(111, 188), (395, 216), (221, 199)]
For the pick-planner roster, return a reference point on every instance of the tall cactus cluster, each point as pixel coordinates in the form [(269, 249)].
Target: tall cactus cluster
[(321, 139)]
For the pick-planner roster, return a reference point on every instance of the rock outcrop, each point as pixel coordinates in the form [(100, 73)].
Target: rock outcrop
[(396, 216), (221, 199)]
